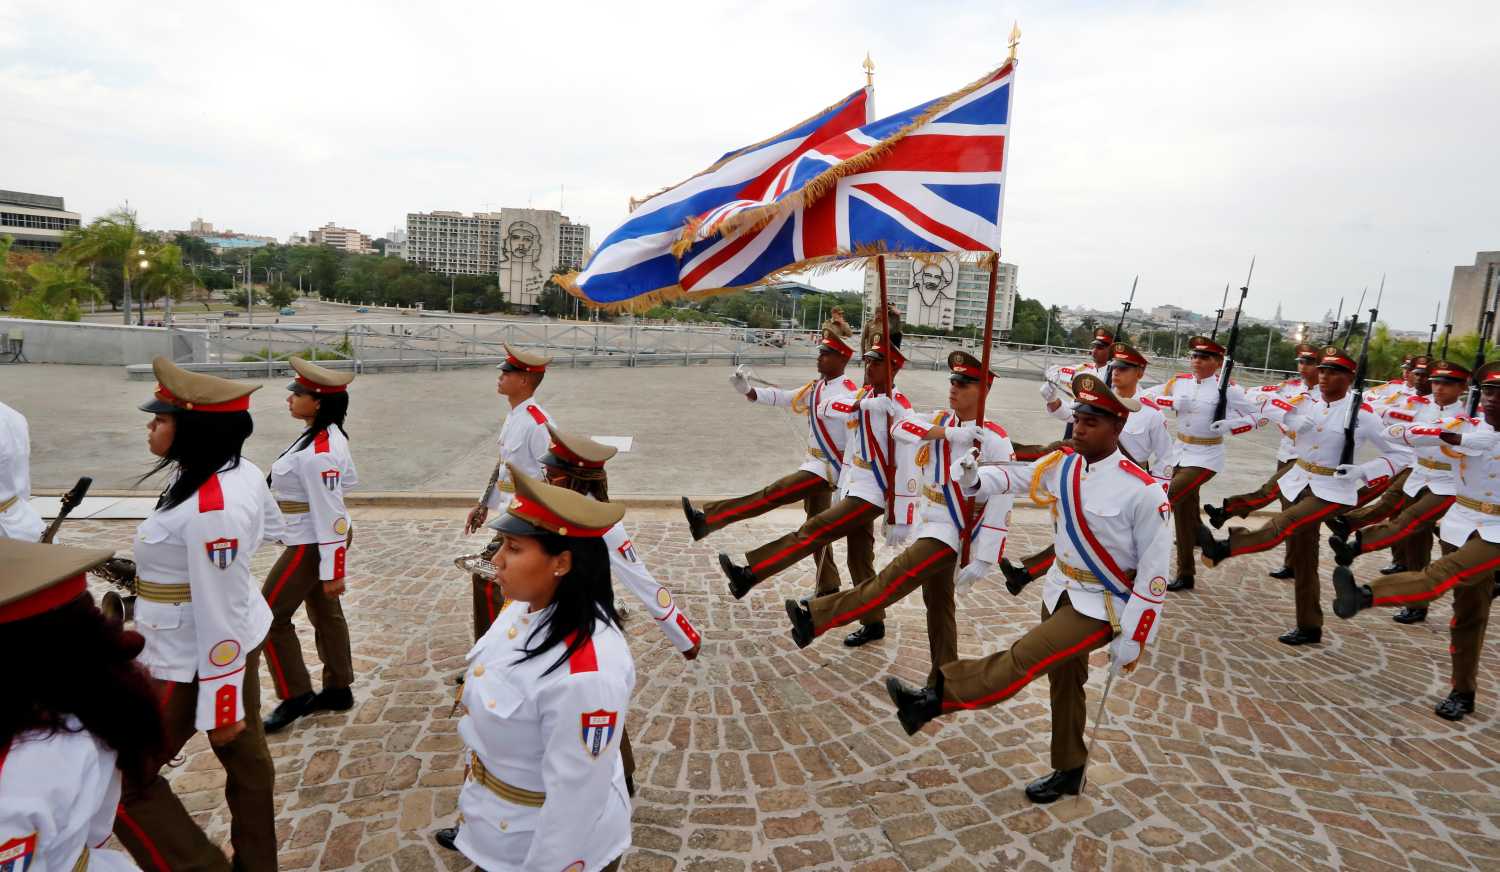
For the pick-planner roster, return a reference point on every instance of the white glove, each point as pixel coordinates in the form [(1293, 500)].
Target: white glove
[(1123, 652), (1049, 391), (880, 403), (1184, 404), (965, 470), (1478, 442), (896, 535), (963, 434), (976, 570), (1352, 472), (1298, 424), (740, 379), (1220, 427)]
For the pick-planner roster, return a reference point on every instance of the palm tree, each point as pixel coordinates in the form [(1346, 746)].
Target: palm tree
[(57, 288), (165, 274), (110, 240)]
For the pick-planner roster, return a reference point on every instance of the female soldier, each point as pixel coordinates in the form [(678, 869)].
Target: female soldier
[(203, 621), (546, 694), (78, 713), (309, 481)]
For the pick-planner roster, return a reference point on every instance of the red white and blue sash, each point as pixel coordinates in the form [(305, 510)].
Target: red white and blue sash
[(958, 507), (821, 435), (1070, 508), (869, 446)]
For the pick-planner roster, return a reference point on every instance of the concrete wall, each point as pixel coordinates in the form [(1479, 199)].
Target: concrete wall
[(104, 344)]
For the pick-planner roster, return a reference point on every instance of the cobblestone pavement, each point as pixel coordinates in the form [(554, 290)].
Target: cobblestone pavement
[(1226, 749)]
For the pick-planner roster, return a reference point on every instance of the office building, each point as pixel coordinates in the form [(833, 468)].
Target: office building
[(943, 293), (520, 247), (343, 238), (1474, 289), (36, 222)]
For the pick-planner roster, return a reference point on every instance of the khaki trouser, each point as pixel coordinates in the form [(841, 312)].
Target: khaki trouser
[(801, 486), (157, 830), (1186, 513), (1297, 526), (488, 600), (851, 519), (1409, 533), (928, 564), (1242, 505), (292, 582), (1392, 500), (1470, 573), (1058, 648)]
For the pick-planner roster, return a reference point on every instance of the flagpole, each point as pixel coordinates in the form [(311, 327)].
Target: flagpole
[(984, 378), (890, 443)]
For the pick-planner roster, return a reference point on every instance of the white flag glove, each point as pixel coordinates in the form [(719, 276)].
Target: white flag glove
[(896, 535), (1478, 442), (976, 570), (963, 434), (965, 470), (1352, 472), (1048, 391), (740, 379), (1123, 652)]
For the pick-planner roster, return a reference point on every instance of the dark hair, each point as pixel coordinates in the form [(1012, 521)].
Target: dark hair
[(74, 661), (331, 411), (584, 596), (203, 444)]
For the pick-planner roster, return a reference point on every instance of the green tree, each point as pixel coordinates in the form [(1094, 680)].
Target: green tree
[(56, 289), (12, 276), (109, 243), (281, 294), (166, 275)]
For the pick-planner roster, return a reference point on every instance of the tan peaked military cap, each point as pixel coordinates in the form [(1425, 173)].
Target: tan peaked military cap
[(542, 508), (523, 361), (39, 578), (314, 379), (1093, 396), (178, 390), (570, 449)]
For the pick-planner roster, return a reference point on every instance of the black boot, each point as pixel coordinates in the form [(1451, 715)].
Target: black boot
[(866, 634), (289, 710), (1349, 598), (696, 524), (332, 699), (1344, 551), (1016, 576), (1063, 782), (1301, 636), (741, 579), (1339, 525), (1282, 573), (1456, 706), (1180, 583), (445, 836), (1213, 549), (1217, 517), (1411, 615), (1392, 568), (802, 623), (915, 706)]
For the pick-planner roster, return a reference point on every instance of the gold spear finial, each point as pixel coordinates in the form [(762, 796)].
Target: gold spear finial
[(869, 68), (1015, 39)]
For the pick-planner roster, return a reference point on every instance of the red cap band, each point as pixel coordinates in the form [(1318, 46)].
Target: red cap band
[(320, 389), (241, 404), (44, 600)]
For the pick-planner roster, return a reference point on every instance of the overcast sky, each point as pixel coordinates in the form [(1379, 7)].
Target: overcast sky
[(1335, 141)]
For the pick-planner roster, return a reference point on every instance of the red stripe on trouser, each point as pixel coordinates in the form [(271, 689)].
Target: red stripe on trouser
[(282, 688), (150, 846), (1043, 565), (1255, 549), (1442, 587), (1031, 674), (879, 601), (1189, 489), (763, 500), (286, 573), (1408, 529), (1256, 503), (854, 515)]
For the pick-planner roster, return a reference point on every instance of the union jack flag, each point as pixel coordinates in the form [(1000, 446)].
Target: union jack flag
[(930, 179)]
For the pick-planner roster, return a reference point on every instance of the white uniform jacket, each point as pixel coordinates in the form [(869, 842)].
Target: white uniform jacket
[(1287, 391), (58, 796), (18, 520), (870, 438), (1193, 400), (945, 510), (317, 475), (1127, 518), (1434, 466), (1478, 505), (1319, 434), (625, 565), (1146, 436), (206, 543), (826, 433), (524, 441), (556, 734)]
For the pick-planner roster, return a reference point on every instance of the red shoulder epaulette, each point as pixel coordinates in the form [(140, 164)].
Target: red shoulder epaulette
[(211, 495), (584, 659), (901, 398), (1147, 401), (991, 425), (913, 429), (320, 442), (537, 415), (1136, 471), (849, 383)]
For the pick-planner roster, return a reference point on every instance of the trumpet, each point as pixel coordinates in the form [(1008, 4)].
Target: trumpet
[(120, 572), (476, 564)]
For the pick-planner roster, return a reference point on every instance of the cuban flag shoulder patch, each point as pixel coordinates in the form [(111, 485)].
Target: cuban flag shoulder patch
[(598, 729), (16, 855), (222, 551), (331, 480)]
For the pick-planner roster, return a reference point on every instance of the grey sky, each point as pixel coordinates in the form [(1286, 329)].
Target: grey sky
[(1334, 140)]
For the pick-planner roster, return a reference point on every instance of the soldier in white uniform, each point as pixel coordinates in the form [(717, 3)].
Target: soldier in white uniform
[(1317, 487), (1470, 539), (78, 712), (309, 481), (1112, 534), (952, 534), (546, 697), (204, 620), (813, 482), (523, 440), (1194, 396), (18, 520), (1101, 350)]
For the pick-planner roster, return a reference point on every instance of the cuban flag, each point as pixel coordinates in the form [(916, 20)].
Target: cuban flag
[(637, 258), (929, 179)]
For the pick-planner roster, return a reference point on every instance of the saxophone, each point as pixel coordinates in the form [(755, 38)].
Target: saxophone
[(120, 572)]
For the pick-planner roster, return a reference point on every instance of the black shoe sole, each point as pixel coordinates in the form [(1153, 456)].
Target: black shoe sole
[(1180, 585), (445, 838), (737, 583), (1344, 551), (860, 638), (694, 522), (802, 633), (1297, 642), (1392, 569), (1282, 574), (909, 723), (1345, 593), (1415, 618)]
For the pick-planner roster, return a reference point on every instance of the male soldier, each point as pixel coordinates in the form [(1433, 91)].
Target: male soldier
[(1194, 396), (1470, 536), (523, 442), (1144, 439), (836, 325), (870, 333), (1429, 489), (813, 482), (1100, 351), (1294, 390), (952, 533), (864, 488), (1111, 533), (1318, 486), (18, 520)]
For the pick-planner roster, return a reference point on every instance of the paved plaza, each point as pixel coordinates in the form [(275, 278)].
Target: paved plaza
[(1224, 750)]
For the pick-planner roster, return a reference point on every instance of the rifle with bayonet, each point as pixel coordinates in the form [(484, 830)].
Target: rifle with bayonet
[(1486, 324), (1447, 330), (1432, 328), (1119, 334), (1219, 315), (1333, 326), (1357, 390), (1221, 405)]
